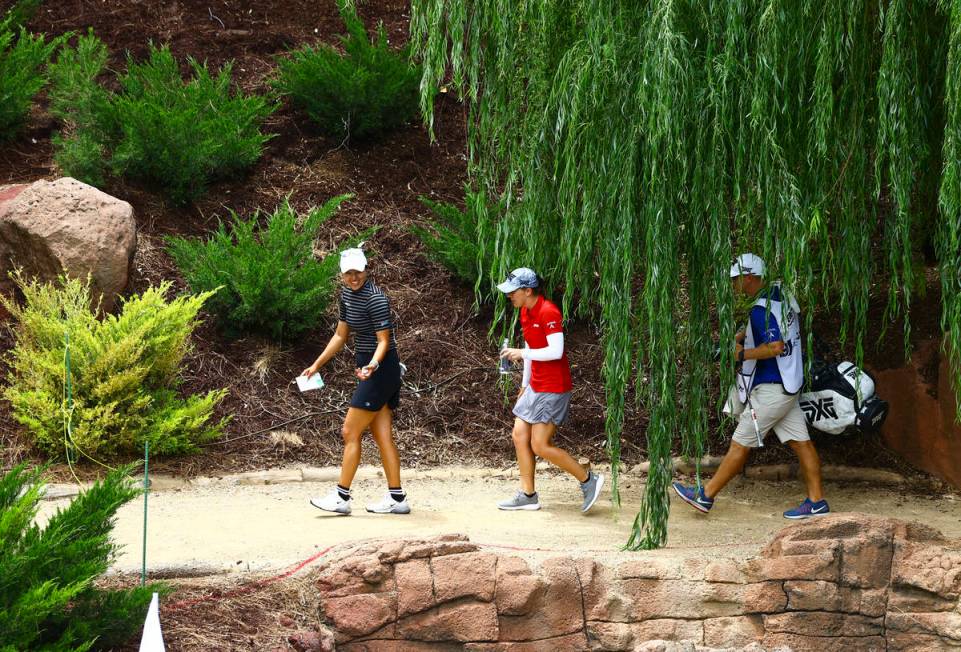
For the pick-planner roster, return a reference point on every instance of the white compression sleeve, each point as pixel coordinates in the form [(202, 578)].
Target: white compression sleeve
[(553, 351), (526, 379)]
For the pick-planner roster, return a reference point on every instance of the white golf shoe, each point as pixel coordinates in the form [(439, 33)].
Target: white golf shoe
[(388, 505), (332, 502)]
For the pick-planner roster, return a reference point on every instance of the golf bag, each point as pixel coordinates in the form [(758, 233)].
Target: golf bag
[(840, 396)]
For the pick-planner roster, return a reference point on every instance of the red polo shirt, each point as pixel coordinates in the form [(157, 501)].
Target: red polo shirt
[(537, 323)]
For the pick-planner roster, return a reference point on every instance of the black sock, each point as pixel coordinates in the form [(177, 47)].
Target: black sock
[(530, 495), (397, 494), (590, 474), (343, 492)]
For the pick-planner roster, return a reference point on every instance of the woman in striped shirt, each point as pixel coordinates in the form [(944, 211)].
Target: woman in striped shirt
[(365, 311)]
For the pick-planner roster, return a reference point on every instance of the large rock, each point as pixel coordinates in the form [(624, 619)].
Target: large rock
[(415, 587), (462, 622), (357, 574), (59, 227), (822, 623), (307, 641), (517, 588), (730, 632), (469, 574), (361, 614), (558, 609), (928, 567)]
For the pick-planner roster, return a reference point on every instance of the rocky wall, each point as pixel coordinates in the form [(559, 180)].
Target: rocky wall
[(843, 582), (921, 426)]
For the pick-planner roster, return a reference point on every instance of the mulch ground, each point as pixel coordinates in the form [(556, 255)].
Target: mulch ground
[(232, 613), (453, 410)]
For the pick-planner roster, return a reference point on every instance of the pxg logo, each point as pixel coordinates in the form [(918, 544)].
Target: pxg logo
[(818, 409)]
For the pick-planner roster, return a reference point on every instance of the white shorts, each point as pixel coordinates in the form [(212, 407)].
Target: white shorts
[(775, 410)]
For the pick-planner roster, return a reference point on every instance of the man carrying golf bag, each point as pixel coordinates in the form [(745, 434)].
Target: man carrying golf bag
[(769, 378)]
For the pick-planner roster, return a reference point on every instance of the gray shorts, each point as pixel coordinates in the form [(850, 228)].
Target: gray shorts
[(775, 411), (543, 407)]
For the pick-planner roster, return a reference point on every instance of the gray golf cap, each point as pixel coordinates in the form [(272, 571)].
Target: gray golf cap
[(522, 277)]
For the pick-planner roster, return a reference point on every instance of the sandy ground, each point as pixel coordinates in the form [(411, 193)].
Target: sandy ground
[(221, 526)]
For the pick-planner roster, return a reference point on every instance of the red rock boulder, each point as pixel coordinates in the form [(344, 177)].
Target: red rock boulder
[(50, 228)]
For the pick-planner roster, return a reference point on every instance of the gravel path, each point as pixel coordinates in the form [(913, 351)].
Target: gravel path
[(239, 524)]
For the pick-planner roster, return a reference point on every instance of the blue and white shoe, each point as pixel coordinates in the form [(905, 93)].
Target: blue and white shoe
[(807, 509), (694, 496)]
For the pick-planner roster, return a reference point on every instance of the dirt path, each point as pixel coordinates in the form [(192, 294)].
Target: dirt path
[(224, 526)]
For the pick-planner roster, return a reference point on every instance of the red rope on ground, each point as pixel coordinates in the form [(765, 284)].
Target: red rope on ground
[(250, 588)]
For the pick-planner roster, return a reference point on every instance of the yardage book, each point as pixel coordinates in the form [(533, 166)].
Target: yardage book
[(307, 383)]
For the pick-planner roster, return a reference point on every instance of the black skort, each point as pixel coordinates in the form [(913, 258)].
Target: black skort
[(383, 386)]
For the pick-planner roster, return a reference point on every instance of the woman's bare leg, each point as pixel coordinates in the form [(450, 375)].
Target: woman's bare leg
[(353, 429), (380, 428), (542, 435), (525, 454)]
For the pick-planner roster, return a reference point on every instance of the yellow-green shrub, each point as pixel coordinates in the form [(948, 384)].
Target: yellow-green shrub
[(123, 372)]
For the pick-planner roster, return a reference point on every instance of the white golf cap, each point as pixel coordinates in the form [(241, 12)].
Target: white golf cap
[(751, 264), (352, 259)]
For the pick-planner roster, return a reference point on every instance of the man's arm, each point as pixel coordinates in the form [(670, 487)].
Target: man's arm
[(766, 332), (761, 352)]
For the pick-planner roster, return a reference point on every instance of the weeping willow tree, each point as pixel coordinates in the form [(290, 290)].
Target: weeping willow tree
[(654, 139)]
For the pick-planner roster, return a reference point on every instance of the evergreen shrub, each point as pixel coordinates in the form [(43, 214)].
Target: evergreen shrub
[(454, 237), (22, 59), (47, 597), (84, 108), (367, 90), (123, 372), (175, 135), (270, 283)]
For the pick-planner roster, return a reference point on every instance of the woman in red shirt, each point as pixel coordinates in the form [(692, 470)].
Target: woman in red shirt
[(545, 394)]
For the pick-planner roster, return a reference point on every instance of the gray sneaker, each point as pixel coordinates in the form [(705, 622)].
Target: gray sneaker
[(520, 501), (591, 489)]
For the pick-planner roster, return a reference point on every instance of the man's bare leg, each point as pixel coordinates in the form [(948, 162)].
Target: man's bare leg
[(810, 467), (731, 465)]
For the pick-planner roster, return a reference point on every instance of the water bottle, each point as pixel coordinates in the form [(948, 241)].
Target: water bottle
[(505, 364)]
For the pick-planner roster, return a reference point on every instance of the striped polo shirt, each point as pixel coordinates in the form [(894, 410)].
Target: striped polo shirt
[(366, 311)]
